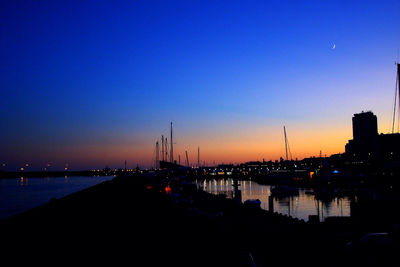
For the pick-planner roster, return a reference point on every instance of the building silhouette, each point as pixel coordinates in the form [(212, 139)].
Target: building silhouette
[(367, 143), (365, 126)]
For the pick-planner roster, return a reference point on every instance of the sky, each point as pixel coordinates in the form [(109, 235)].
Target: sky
[(95, 83)]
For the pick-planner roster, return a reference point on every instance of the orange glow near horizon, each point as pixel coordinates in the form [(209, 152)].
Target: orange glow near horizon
[(219, 145), (235, 148)]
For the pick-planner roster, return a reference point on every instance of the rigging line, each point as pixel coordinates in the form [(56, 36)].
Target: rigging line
[(290, 152), (288, 147)]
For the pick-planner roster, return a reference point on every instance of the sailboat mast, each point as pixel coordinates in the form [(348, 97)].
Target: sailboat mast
[(187, 159), (157, 155), (166, 148), (171, 152), (396, 92), (162, 147), (284, 131)]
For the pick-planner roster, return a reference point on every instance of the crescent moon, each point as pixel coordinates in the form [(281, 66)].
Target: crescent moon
[(334, 46)]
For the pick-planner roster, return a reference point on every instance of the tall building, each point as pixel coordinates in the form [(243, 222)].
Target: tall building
[(365, 126), (367, 143), (365, 136)]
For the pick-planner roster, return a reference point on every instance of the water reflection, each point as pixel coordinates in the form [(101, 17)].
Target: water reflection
[(295, 202), (23, 181)]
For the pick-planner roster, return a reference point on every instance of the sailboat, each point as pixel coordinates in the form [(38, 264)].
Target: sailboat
[(288, 168)]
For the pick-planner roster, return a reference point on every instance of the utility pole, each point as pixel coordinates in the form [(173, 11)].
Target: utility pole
[(198, 157), (187, 159)]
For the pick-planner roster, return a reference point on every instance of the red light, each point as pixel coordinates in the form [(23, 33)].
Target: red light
[(168, 189)]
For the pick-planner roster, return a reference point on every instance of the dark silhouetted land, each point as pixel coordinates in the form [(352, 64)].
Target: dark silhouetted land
[(153, 221)]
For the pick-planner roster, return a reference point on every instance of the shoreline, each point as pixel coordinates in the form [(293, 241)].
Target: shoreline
[(44, 174)]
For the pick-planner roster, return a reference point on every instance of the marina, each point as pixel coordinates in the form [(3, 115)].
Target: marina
[(298, 204), (200, 133)]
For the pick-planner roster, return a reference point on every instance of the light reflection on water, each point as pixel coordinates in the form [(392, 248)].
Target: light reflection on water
[(300, 205), (20, 194)]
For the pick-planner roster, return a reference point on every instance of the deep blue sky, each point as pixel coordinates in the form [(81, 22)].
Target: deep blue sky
[(96, 82)]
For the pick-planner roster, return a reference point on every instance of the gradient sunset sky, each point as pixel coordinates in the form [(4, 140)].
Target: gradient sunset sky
[(94, 83)]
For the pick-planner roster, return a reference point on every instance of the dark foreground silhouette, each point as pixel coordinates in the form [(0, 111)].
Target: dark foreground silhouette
[(142, 221)]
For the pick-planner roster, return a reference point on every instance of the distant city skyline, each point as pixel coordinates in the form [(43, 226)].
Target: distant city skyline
[(97, 83)]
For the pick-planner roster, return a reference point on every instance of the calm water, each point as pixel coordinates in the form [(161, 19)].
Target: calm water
[(300, 205), (20, 194)]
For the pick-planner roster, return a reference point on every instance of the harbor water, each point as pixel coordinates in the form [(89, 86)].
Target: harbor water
[(24, 193), (299, 204)]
